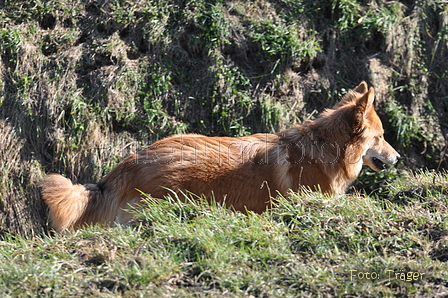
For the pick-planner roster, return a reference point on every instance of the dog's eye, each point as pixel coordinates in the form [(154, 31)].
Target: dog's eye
[(380, 137)]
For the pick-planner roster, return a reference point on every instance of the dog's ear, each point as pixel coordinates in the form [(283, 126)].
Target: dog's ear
[(361, 88), (362, 107), (353, 94), (365, 102)]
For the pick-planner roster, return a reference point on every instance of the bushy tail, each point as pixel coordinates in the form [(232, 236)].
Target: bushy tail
[(71, 205)]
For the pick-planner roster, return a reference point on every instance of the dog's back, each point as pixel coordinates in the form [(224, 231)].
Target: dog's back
[(231, 170)]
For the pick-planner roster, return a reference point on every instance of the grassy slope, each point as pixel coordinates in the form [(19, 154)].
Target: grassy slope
[(310, 246), (85, 83)]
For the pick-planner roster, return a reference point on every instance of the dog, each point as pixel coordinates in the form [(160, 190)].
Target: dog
[(243, 173)]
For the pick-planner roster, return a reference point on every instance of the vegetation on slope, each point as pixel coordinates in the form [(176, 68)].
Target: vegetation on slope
[(85, 83)]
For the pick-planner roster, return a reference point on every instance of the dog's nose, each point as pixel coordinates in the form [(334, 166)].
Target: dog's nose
[(397, 157)]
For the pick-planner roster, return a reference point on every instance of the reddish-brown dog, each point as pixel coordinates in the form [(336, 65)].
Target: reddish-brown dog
[(243, 172)]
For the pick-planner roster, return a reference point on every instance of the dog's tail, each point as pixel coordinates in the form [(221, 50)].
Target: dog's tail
[(72, 206)]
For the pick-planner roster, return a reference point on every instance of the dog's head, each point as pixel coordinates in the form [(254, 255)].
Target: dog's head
[(368, 124)]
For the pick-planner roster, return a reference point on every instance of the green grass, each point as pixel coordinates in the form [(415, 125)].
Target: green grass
[(83, 81), (311, 245), (86, 83)]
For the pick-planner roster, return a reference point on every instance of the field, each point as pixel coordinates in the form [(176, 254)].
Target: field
[(85, 83), (309, 246)]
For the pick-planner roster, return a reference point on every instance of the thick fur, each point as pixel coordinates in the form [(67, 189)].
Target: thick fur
[(243, 172)]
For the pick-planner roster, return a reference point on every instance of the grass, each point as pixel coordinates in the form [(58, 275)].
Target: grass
[(84, 84), (310, 245)]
